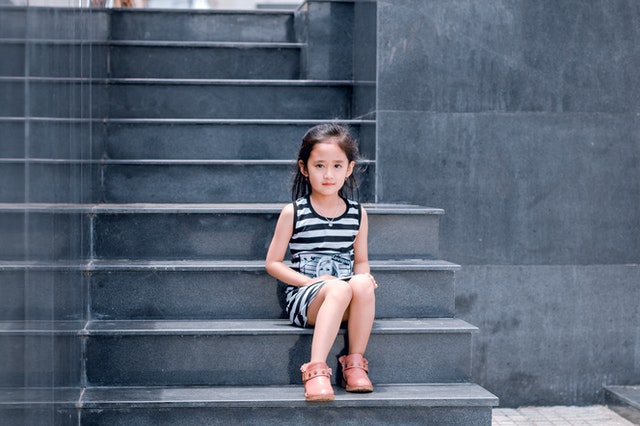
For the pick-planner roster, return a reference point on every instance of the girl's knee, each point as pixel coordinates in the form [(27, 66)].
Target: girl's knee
[(339, 288), (362, 284)]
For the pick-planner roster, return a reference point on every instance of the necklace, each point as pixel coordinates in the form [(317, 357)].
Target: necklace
[(330, 220)]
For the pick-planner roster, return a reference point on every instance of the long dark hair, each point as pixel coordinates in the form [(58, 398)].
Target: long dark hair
[(337, 133)]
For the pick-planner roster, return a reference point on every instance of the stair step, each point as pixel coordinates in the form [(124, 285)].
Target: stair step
[(266, 352), (205, 289), (191, 181), (219, 139), (205, 60), (147, 290), (173, 98), (407, 404), (230, 99), (624, 400), (60, 23), (196, 231), (202, 25), (57, 138), (83, 97), (67, 58), (168, 138)]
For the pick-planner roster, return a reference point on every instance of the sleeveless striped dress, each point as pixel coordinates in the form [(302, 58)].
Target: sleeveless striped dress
[(319, 246)]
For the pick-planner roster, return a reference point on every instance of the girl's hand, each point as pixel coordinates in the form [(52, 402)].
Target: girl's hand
[(373, 280)]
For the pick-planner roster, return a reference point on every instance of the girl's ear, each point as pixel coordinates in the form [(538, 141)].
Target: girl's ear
[(303, 168), (352, 164)]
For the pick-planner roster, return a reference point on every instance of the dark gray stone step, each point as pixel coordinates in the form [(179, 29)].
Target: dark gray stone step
[(624, 400), (50, 181), (53, 97), (190, 181), (64, 58), (190, 290), (244, 231), (230, 99), (202, 25), (162, 98), (51, 138), (204, 60), (156, 139), (195, 231), (42, 291), (200, 289), (219, 139), (59, 23), (266, 352), (37, 353), (409, 404)]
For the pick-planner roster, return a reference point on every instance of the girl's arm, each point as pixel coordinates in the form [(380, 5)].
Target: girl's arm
[(360, 247), (278, 249)]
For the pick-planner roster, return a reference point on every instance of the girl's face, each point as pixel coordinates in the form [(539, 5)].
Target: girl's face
[(327, 168)]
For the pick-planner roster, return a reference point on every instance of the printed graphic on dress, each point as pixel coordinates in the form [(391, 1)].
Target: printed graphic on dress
[(335, 265)]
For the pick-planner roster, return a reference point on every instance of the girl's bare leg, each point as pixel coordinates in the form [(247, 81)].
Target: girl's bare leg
[(361, 313), (326, 312)]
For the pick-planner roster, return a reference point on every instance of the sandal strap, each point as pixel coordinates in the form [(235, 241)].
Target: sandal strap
[(362, 363), (315, 371)]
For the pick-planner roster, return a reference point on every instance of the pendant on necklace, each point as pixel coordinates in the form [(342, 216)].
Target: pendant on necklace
[(331, 224)]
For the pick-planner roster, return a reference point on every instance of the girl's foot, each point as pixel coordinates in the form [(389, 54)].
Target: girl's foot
[(317, 382), (355, 369)]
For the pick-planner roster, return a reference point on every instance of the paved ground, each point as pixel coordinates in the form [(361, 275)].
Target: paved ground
[(558, 416)]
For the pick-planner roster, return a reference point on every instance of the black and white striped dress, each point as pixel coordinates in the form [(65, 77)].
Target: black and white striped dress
[(319, 246)]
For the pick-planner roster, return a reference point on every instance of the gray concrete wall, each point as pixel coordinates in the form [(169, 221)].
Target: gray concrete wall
[(521, 119)]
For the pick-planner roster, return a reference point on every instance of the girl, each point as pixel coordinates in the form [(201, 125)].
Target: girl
[(330, 281)]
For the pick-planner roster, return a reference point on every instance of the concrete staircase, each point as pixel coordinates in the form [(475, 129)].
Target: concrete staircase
[(190, 168)]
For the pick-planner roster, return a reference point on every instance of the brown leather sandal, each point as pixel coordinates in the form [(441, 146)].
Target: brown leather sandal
[(355, 369), (317, 382)]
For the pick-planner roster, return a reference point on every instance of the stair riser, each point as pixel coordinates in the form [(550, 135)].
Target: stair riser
[(190, 236), (215, 295), (207, 236), (202, 26), (206, 183), (44, 237), (166, 140), (216, 141), (48, 183), (228, 101), (267, 359), (204, 62), (312, 415), (66, 60), (39, 360), (41, 295), (51, 139), (81, 99), (60, 23)]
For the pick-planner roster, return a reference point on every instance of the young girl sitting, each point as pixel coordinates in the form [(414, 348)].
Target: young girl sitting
[(330, 280)]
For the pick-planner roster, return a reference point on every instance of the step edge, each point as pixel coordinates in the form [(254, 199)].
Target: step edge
[(240, 327), (214, 265), (629, 395), (195, 208), (105, 397)]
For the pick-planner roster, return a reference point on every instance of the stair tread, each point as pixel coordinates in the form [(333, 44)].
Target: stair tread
[(265, 326), (464, 394), (418, 394), (629, 394), (220, 208), (210, 265)]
